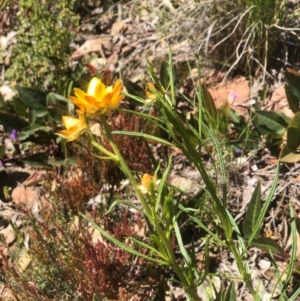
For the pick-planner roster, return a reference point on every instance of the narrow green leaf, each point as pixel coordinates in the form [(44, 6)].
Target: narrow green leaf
[(267, 203), (295, 296), (68, 88), (119, 243), (117, 202), (161, 198), (183, 250), (164, 75), (143, 135), (145, 245), (267, 244), (252, 213), (230, 294), (171, 77), (152, 74), (295, 227), (215, 236), (220, 293), (208, 103)]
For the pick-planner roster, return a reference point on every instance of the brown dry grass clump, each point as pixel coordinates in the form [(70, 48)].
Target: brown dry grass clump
[(69, 259)]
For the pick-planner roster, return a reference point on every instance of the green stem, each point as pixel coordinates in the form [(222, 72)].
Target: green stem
[(124, 167), (104, 150), (246, 276), (149, 214)]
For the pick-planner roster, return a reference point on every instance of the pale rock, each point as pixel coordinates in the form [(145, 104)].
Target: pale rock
[(96, 129), (4, 40), (241, 160), (118, 27), (264, 265), (9, 234), (23, 262), (97, 237), (9, 147), (7, 92), (7, 295), (254, 168), (30, 197)]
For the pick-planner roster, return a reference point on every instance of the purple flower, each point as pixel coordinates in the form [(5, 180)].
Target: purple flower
[(1, 164), (13, 134), (238, 152), (233, 95)]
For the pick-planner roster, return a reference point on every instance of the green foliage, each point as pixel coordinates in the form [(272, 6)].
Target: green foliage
[(224, 294), (251, 225), (253, 212), (62, 248), (35, 116), (40, 57), (269, 121), (184, 136), (275, 125)]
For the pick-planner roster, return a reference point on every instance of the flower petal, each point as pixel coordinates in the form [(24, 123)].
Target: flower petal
[(115, 102), (70, 136), (69, 121), (74, 127), (79, 93), (98, 98), (96, 88)]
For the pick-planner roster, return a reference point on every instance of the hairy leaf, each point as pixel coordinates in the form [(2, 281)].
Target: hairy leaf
[(253, 211), (271, 121), (267, 244), (33, 99)]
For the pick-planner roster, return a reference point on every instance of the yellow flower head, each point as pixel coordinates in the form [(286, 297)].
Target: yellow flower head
[(98, 97), (146, 182), (74, 127), (151, 92)]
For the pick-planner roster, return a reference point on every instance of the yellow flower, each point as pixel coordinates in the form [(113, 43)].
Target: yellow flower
[(151, 93), (98, 97), (146, 182), (74, 127)]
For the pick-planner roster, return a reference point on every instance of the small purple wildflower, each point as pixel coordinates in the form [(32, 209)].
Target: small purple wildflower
[(238, 152), (13, 134), (233, 95), (1, 164)]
